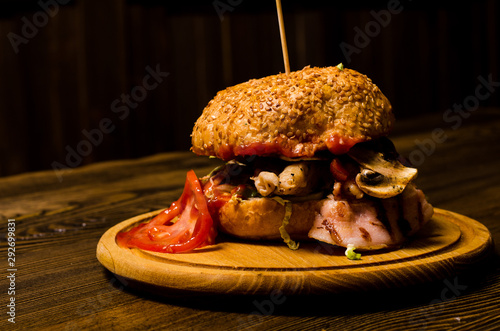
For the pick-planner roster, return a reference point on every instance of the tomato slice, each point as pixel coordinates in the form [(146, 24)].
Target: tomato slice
[(338, 171), (217, 194), (184, 226)]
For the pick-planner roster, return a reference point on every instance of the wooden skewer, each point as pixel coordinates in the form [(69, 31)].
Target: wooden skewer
[(283, 36)]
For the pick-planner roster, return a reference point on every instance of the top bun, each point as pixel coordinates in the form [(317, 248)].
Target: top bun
[(293, 115)]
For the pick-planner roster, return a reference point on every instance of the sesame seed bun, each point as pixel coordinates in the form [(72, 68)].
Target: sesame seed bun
[(293, 115)]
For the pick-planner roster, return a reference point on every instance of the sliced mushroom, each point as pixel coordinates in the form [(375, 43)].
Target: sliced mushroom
[(382, 176)]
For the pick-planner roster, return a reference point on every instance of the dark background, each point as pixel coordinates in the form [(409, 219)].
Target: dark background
[(69, 71)]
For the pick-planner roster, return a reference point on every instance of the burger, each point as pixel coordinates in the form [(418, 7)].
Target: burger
[(306, 157)]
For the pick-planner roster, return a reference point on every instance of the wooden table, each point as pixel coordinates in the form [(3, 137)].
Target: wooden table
[(60, 285)]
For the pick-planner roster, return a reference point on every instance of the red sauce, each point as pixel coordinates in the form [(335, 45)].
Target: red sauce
[(335, 144), (259, 148), (225, 152), (340, 145), (276, 147)]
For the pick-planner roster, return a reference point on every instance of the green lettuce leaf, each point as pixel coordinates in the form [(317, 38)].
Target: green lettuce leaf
[(351, 254)]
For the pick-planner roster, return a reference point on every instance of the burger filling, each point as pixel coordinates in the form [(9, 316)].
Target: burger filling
[(368, 200), (364, 199)]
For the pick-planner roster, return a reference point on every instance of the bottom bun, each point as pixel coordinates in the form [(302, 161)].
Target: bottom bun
[(261, 218)]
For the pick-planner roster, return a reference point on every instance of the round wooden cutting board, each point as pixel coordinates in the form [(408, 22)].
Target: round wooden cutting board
[(448, 244)]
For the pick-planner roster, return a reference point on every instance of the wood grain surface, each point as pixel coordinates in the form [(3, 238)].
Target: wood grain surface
[(60, 284)]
